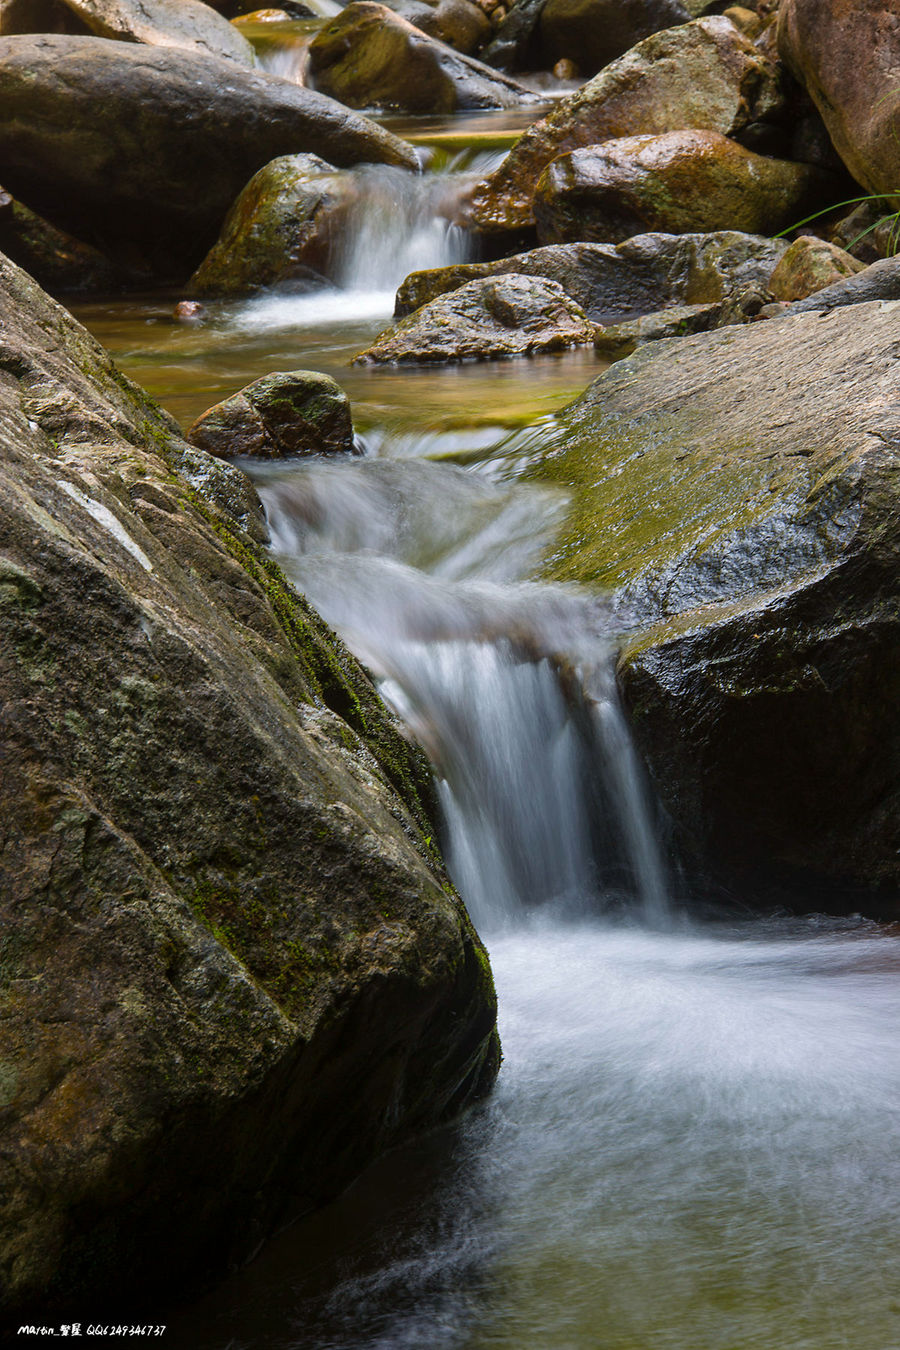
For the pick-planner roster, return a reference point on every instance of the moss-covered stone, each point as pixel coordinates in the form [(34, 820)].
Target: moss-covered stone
[(738, 492), (297, 412), (232, 967)]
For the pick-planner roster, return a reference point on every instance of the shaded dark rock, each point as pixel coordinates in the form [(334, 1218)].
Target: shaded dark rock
[(232, 969), (130, 146), (704, 74), (509, 315), (593, 33), (515, 45), (738, 491), (682, 181), (370, 57), (297, 412), (619, 281), (54, 258)]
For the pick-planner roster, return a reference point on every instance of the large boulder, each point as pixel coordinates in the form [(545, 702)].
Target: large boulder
[(282, 228), (510, 315), (594, 32), (370, 57), (147, 147), (165, 23), (847, 55), (739, 491), (682, 181), (292, 412), (704, 74), (618, 281), (233, 970)]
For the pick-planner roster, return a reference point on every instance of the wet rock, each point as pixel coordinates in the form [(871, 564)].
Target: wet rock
[(621, 339), (233, 969), (370, 57), (189, 311), (846, 55), (93, 135), (459, 23), (617, 281), (595, 32), (684, 180), (297, 412), (282, 228), (704, 74), (54, 258), (738, 492), (510, 315), (168, 23), (809, 265), (515, 45), (38, 16), (879, 281)]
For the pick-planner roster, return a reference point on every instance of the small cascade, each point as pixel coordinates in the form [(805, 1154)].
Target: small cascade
[(508, 686)]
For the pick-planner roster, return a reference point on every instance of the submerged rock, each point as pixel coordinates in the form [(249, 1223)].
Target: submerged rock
[(147, 147), (739, 492), (617, 281), (370, 57), (297, 412), (592, 33), (282, 228), (167, 23), (846, 55), (704, 74), (233, 969), (509, 315), (808, 266), (682, 181)]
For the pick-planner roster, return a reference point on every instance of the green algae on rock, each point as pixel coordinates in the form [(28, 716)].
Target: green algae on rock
[(738, 491), (232, 969), (297, 412)]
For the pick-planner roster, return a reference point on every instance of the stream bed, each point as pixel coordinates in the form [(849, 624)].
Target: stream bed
[(692, 1142)]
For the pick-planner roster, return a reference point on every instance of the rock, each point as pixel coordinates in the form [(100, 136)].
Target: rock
[(613, 282), (871, 231), (189, 311), (370, 57), (186, 24), (809, 265), (594, 32), (514, 45), (54, 258), (738, 492), (879, 281), (747, 20), (38, 16), (704, 75), (459, 23), (684, 180), (846, 55), (282, 228), (297, 412), (93, 136), (621, 339), (233, 971), (511, 315)]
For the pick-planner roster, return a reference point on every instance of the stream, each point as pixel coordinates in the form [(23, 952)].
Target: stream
[(691, 1145)]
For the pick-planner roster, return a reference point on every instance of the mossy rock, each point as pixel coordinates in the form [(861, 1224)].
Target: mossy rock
[(297, 412)]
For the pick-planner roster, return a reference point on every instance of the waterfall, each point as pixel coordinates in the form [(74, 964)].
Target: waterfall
[(508, 686)]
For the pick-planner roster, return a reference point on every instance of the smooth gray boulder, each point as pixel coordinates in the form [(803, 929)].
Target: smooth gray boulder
[(188, 24), (233, 969), (147, 147), (738, 492)]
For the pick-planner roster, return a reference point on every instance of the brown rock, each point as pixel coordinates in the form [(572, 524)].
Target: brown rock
[(288, 413), (188, 24), (808, 265), (683, 181), (847, 55), (704, 75)]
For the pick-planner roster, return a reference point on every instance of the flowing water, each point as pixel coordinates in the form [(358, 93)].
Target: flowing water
[(692, 1143)]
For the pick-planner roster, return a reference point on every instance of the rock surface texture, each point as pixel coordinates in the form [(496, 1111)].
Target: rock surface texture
[(508, 315), (739, 491), (296, 412), (704, 75), (809, 265), (620, 281), (680, 182), (592, 33), (147, 147), (370, 57), (165, 23), (847, 55), (232, 970)]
